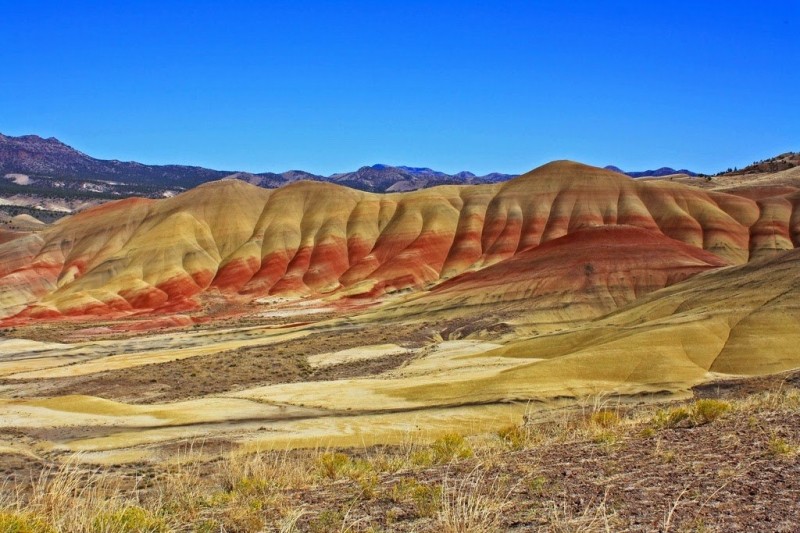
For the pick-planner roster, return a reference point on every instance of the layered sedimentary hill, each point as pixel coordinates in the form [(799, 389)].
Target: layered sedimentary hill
[(584, 274), (441, 308), (743, 320), (538, 232)]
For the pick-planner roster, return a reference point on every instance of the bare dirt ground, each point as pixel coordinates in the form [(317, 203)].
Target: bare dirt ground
[(237, 369)]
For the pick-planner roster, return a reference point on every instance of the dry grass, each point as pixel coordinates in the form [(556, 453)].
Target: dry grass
[(595, 518), (700, 412), (452, 485), (779, 399), (471, 504), (69, 498)]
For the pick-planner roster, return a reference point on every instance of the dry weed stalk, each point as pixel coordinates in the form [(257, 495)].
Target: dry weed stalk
[(593, 519), (472, 504)]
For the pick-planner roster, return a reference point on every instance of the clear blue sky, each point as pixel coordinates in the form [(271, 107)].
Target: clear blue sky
[(331, 86)]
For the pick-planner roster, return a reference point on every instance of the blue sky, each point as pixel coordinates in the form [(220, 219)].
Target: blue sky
[(480, 86)]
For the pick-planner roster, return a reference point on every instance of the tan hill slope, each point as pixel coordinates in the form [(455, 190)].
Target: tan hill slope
[(243, 242), (734, 321)]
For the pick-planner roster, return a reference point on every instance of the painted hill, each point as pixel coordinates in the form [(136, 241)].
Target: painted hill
[(584, 274), (338, 317), (234, 240)]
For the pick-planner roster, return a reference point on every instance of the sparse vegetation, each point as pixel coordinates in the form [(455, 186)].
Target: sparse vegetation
[(524, 474), (702, 411), (132, 519), (778, 446), (604, 418), (472, 504), (773, 164), (21, 522), (514, 436)]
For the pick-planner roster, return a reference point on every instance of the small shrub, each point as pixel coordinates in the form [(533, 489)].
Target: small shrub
[(333, 465), (132, 519), (604, 418), (446, 449), (450, 447), (779, 447), (707, 410), (670, 418), (425, 498), (514, 436), (11, 522)]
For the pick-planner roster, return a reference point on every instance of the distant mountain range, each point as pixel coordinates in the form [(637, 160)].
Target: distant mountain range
[(31, 160), (663, 171), (33, 155)]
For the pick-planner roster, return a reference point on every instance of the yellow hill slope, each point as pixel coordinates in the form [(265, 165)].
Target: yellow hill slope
[(734, 321)]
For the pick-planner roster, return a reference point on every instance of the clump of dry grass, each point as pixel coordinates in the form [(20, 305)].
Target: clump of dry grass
[(700, 412), (780, 447), (515, 437), (597, 419), (594, 518), (471, 504), (264, 472), (425, 498), (72, 498), (446, 449), (604, 418), (250, 489), (780, 399)]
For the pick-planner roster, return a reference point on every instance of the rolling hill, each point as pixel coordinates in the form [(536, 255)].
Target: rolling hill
[(319, 315), (317, 239)]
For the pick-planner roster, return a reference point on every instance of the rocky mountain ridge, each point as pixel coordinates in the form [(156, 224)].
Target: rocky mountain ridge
[(49, 163)]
